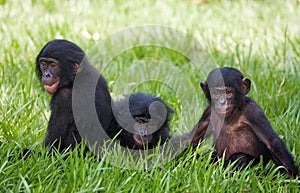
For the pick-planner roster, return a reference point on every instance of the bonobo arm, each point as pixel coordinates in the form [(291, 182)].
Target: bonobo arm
[(196, 135), (61, 119), (264, 131), (201, 128)]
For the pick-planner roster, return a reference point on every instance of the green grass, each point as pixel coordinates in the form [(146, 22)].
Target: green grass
[(261, 38)]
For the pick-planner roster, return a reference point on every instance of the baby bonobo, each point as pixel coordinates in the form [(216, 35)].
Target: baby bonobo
[(241, 129), (144, 121)]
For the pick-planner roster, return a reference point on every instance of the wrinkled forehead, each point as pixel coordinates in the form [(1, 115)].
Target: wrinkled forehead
[(219, 79), (220, 88), (46, 59)]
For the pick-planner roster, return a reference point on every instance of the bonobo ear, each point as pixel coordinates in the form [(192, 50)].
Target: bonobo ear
[(205, 88), (76, 66), (246, 85)]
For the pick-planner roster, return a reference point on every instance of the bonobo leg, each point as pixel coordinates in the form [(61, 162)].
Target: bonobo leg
[(241, 160)]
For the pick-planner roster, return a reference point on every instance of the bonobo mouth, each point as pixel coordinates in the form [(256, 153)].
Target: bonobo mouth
[(223, 111), (51, 88), (141, 140)]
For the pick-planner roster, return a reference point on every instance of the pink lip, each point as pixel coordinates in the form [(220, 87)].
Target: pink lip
[(223, 112), (139, 141), (51, 88)]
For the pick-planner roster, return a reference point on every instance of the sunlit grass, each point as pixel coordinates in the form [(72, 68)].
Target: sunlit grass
[(260, 38)]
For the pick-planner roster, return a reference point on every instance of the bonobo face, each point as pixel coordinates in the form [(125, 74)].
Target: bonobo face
[(222, 99), (144, 128), (50, 74)]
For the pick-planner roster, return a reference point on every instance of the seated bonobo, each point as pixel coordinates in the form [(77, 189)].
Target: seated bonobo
[(241, 129)]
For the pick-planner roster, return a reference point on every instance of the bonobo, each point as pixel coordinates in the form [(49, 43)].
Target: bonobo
[(56, 66), (145, 120), (241, 129)]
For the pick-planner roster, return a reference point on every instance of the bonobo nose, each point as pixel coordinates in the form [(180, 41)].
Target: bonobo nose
[(145, 137), (143, 131), (222, 100), (47, 74)]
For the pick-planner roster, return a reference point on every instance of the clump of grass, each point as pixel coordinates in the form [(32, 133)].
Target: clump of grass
[(259, 38)]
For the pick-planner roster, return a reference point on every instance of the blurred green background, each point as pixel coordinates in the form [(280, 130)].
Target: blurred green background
[(260, 38)]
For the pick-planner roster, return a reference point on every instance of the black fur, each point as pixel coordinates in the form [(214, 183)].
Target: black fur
[(139, 104), (61, 131), (243, 134)]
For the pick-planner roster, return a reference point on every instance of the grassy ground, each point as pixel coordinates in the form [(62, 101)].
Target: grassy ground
[(261, 38)]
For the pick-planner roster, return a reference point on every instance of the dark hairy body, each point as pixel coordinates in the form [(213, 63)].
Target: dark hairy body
[(56, 66), (241, 129), (150, 123)]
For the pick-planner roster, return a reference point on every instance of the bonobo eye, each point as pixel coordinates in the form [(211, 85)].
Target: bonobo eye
[(214, 92), (228, 93), (43, 64), (53, 64)]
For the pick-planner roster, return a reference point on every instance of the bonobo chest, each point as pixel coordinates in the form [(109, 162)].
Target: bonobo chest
[(233, 128), (61, 99), (236, 137)]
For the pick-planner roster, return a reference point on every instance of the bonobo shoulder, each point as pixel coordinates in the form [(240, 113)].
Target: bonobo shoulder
[(252, 108)]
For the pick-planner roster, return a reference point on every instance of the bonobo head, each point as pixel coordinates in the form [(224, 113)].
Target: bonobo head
[(151, 116), (225, 88), (146, 122), (57, 64)]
